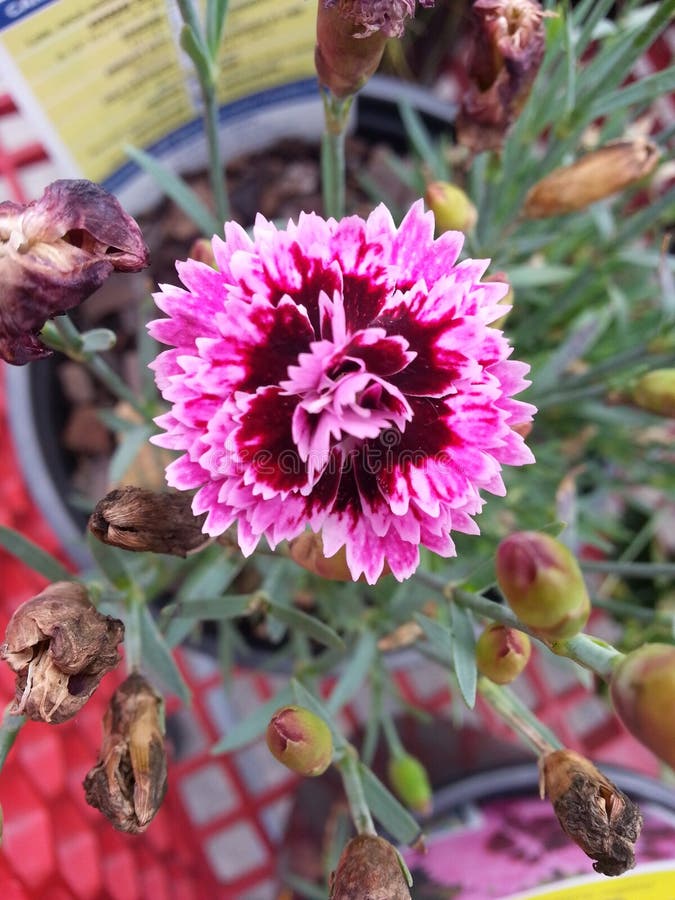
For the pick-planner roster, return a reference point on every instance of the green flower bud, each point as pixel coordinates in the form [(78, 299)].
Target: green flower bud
[(300, 740), (643, 694), (410, 782), (502, 653), (655, 392), (543, 584), (451, 207), (369, 867)]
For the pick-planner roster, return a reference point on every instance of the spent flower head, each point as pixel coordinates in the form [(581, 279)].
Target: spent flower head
[(341, 375)]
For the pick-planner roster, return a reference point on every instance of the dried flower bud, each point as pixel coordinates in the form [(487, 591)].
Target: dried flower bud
[(300, 740), (502, 653), (508, 47), (54, 253), (307, 551), (643, 694), (452, 209), (369, 867), (137, 519), (596, 175), (60, 647), (410, 782), (655, 391), (351, 36), (128, 783), (592, 811), (543, 584)]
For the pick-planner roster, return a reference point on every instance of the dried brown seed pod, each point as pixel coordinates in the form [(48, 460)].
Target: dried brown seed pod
[(60, 647), (137, 519), (598, 817), (54, 253), (369, 869), (129, 781), (596, 175)]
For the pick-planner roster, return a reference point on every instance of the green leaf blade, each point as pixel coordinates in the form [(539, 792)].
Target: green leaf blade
[(251, 728), (33, 556)]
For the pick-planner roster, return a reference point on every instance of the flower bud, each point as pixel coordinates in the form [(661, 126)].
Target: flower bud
[(591, 810), (596, 175), (643, 694), (60, 647), (128, 783), (655, 391), (137, 519), (307, 551), (202, 251), (54, 253), (300, 740), (410, 782), (369, 867), (351, 36), (452, 209), (502, 653), (507, 49), (543, 584)]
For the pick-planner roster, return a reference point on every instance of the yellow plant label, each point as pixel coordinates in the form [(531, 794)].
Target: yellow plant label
[(650, 882), (97, 75)]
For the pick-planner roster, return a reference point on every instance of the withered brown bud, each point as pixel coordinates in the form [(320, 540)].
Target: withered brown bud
[(134, 518), (369, 867), (351, 36), (54, 253), (60, 647), (598, 817), (596, 175), (507, 50), (128, 783)]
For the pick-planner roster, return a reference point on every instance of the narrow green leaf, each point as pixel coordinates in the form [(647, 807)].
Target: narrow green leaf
[(127, 450), (539, 276), (109, 560), (193, 45), (387, 809), (355, 672), (214, 608), (248, 730), (216, 12), (438, 635), (309, 625), (464, 653), (644, 91), (33, 556), (157, 656), (175, 188), (420, 139), (211, 576)]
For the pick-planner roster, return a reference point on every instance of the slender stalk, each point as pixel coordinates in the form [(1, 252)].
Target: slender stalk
[(348, 767), (590, 652), (9, 729), (629, 569), (518, 717), (71, 344), (132, 629), (396, 748), (333, 172)]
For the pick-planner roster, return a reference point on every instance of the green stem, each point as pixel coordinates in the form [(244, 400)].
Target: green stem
[(9, 729), (216, 166), (518, 717), (132, 629), (333, 154), (590, 652), (348, 767), (629, 569), (71, 344), (396, 748)]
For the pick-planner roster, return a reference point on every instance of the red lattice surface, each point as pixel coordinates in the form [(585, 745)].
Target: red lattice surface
[(219, 830)]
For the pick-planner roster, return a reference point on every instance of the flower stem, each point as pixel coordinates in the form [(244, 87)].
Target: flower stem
[(629, 569), (72, 345), (333, 153), (132, 628), (9, 729), (518, 717), (348, 766), (590, 652)]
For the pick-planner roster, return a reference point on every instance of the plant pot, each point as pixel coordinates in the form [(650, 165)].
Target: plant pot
[(36, 403)]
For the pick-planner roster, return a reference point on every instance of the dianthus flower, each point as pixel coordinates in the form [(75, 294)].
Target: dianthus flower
[(341, 375)]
